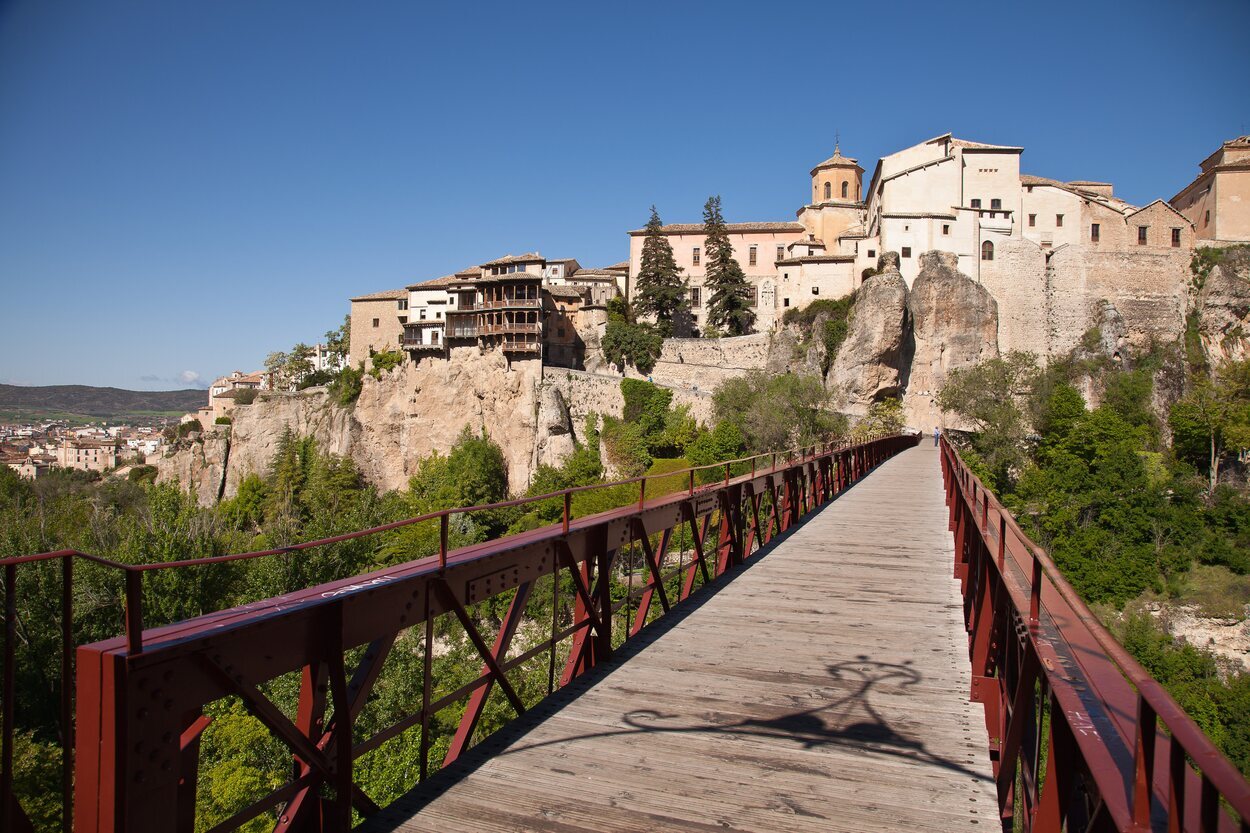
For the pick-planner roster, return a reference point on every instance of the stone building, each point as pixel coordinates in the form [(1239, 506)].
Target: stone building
[(1218, 201), (377, 324)]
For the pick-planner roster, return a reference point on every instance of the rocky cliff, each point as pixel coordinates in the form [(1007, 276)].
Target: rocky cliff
[(1223, 307), (954, 324), (399, 419), (871, 364)]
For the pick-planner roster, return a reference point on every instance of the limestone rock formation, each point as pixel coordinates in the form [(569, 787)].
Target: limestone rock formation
[(870, 364), (794, 351), (553, 441), (399, 419), (1223, 307), (954, 324)]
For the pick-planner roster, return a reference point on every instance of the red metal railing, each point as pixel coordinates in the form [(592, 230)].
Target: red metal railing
[(141, 696), (1081, 736)]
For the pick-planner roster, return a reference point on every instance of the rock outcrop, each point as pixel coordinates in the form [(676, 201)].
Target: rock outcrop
[(954, 324), (554, 440), (871, 363), (414, 410), (1223, 308)]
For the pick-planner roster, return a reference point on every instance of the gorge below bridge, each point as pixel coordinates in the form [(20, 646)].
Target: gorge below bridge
[(850, 638)]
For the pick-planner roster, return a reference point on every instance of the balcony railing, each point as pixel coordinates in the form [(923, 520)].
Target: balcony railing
[(510, 303), (415, 343), (494, 329)]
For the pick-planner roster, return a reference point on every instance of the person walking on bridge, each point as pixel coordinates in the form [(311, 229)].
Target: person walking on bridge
[(937, 432)]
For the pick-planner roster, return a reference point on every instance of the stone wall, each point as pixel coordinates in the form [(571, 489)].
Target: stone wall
[(601, 393), (703, 363)]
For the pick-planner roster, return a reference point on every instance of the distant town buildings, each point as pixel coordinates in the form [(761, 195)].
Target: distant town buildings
[(35, 450)]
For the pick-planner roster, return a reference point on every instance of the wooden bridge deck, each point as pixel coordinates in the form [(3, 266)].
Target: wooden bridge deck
[(823, 689)]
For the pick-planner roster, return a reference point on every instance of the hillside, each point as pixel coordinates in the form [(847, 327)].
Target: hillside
[(83, 402)]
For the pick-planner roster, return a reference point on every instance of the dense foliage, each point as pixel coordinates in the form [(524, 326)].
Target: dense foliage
[(825, 319)]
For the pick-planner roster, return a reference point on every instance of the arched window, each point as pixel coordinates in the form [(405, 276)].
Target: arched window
[(844, 186), (987, 250), (828, 190)]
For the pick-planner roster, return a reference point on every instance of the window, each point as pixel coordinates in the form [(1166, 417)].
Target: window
[(1206, 218), (907, 251), (828, 190), (872, 252), (403, 304), (1141, 235), (815, 290), (976, 203), (1176, 238), (996, 204), (785, 302), (1058, 221), (695, 255), (434, 337), (987, 250), (946, 228), (421, 314), (753, 294), (781, 252), (375, 323), (1094, 229), (751, 255), (845, 188), (1032, 220), (695, 297)]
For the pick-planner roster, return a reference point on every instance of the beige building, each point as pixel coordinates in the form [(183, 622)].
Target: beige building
[(1218, 201), (87, 455), (377, 324)]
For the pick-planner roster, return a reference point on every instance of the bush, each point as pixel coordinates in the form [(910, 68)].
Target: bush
[(188, 427), (385, 362), (317, 377), (223, 420), (142, 474), (246, 396), (346, 387), (626, 447)]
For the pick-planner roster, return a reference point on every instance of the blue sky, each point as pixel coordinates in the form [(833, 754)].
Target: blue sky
[(185, 187)]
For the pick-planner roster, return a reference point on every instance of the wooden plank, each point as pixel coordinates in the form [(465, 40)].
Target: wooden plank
[(823, 689)]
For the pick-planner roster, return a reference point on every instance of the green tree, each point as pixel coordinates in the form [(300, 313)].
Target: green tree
[(729, 302), (988, 397), (627, 342), (339, 342), (775, 413), (658, 287)]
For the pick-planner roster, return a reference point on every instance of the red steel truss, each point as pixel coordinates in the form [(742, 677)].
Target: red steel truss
[(1082, 738), (140, 697)]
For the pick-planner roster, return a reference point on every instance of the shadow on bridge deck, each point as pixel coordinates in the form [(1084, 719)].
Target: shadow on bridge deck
[(823, 688)]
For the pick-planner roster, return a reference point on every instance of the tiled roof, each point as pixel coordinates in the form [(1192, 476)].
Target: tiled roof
[(596, 273), (563, 291), (388, 295), (805, 242), (836, 161), (528, 257), (792, 261), (623, 266), (964, 143), (437, 283), (697, 228)]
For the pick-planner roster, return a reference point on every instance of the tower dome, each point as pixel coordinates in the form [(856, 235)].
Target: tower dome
[(837, 179)]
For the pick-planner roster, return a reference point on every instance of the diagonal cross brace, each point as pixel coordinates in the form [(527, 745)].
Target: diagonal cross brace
[(477, 700), (449, 598)]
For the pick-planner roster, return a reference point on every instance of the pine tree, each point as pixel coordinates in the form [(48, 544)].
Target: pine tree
[(729, 302), (659, 289)]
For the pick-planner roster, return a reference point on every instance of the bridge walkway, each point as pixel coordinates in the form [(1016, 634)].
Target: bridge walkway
[(823, 689)]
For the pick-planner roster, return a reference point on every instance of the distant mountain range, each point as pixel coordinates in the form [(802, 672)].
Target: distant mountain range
[(79, 403)]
